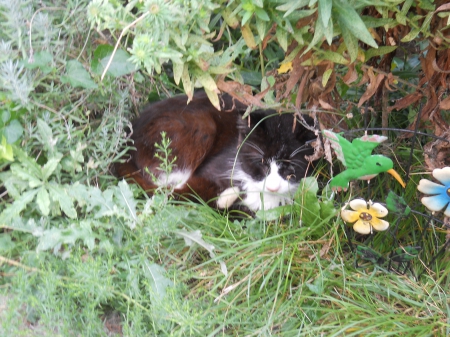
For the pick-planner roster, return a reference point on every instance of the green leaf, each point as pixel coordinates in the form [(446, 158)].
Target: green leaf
[(50, 167), (333, 57), (213, 98), (369, 254), (306, 196), (24, 173), (405, 254), (261, 27), (13, 131), (261, 14), (177, 72), (41, 60), (379, 51), (251, 77), (326, 76), (425, 26), (14, 209), (119, 66), (247, 16), (32, 168), (6, 116), (397, 204), (59, 194), (273, 213), (43, 201), (158, 282), (6, 150), (46, 134), (77, 76), (186, 80), (350, 42), (427, 5), (101, 204), (317, 286), (55, 237), (126, 200), (319, 32), (411, 35), (282, 38), (6, 244), (292, 6), (351, 20), (209, 85), (324, 9), (328, 32), (327, 209)]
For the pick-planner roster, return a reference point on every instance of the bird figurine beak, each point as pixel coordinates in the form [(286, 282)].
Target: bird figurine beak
[(394, 173)]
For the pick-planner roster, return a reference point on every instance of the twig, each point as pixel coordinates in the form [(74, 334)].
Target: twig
[(31, 26), (118, 41), (18, 264)]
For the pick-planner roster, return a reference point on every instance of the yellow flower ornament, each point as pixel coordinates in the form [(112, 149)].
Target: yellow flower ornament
[(366, 216)]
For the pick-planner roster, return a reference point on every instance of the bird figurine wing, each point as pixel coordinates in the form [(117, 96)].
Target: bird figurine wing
[(352, 154)]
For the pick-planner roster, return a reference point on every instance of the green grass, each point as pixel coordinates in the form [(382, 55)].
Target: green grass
[(283, 279)]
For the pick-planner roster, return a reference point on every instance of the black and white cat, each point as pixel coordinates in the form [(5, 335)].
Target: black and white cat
[(221, 157)]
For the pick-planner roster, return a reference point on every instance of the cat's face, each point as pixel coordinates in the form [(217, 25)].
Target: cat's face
[(272, 158)]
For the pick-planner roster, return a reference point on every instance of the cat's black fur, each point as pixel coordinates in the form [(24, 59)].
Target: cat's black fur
[(210, 160)]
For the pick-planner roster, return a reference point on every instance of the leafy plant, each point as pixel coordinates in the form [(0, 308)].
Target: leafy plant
[(78, 246)]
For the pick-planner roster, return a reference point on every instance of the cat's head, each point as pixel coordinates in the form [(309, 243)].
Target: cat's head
[(273, 152)]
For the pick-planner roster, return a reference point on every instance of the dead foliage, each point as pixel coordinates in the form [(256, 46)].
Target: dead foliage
[(308, 78)]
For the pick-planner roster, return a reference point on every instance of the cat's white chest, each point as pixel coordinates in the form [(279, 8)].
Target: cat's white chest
[(269, 193)]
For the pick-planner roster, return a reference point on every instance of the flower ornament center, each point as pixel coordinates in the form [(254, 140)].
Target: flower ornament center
[(365, 216), (448, 191)]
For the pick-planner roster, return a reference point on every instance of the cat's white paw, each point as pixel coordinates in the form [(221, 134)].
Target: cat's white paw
[(228, 197)]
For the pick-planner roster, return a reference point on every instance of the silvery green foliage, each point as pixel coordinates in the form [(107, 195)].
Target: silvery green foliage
[(6, 51), (43, 31), (16, 80), (14, 16)]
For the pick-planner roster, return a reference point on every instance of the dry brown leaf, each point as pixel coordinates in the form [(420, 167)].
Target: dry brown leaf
[(325, 105), (318, 151), (248, 36), (437, 153), (445, 104), (268, 36), (239, 91), (439, 70), (295, 75), (391, 79), (351, 75), (374, 83), (299, 99), (445, 7), (406, 101), (427, 63), (364, 79)]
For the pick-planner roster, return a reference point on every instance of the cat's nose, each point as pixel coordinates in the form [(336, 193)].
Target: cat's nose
[(273, 188)]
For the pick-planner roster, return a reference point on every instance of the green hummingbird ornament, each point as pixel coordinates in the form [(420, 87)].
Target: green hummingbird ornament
[(357, 157)]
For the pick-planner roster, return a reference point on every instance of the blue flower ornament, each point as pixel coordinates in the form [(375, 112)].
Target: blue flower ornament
[(440, 194)]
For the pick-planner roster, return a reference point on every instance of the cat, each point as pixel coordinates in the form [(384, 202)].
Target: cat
[(222, 158)]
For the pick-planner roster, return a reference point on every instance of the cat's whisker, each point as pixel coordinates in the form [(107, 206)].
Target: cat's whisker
[(299, 164), (254, 146), (298, 150)]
